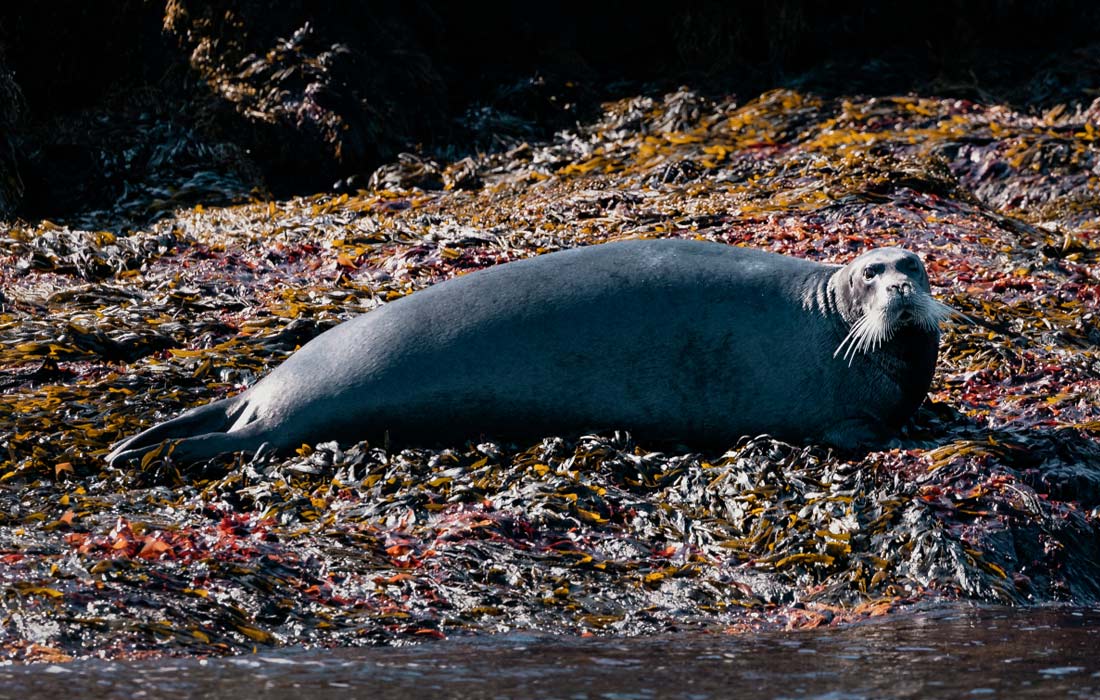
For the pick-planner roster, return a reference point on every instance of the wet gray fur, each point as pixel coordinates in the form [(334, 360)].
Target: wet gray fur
[(686, 340)]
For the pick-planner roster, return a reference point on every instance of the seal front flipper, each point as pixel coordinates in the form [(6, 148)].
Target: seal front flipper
[(856, 436), (216, 417)]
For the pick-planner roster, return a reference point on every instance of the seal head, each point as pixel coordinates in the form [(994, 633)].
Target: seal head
[(879, 293)]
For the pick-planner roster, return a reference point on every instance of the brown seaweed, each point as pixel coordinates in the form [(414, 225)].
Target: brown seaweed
[(992, 494)]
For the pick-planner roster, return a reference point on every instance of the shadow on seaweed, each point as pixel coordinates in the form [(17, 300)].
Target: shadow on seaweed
[(279, 99)]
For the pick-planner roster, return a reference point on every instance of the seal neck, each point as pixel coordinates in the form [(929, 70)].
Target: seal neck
[(820, 293), (840, 300)]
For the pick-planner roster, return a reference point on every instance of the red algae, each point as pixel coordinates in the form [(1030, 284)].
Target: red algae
[(991, 494)]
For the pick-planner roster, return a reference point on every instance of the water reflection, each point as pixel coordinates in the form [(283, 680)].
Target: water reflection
[(938, 653)]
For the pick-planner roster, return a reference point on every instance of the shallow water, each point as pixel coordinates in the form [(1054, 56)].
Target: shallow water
[(938, 653)]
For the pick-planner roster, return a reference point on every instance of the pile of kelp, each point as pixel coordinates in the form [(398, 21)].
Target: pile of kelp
[(994, 495)]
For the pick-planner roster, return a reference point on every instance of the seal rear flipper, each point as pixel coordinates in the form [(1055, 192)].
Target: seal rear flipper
[(216, 417), (199, 448)]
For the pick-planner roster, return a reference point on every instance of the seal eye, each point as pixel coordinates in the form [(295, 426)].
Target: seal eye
[(868, 273)]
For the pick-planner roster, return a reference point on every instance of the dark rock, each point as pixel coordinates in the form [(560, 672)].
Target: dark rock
[(136, 108), (11, 111), (315, 96)]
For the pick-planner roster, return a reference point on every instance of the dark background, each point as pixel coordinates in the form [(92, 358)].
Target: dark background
[(136, 106)]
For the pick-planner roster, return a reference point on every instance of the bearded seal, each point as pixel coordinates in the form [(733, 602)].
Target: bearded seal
[(672, 339)]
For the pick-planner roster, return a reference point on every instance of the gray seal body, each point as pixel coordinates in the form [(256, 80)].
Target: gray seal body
[(686, 340)]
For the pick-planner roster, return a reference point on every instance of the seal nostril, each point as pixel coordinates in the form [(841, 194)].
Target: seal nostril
[(903, 288)]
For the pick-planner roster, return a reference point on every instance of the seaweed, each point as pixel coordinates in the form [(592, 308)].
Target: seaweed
[(991, 493)]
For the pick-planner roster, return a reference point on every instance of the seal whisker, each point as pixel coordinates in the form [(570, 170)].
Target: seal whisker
[(857, 341), (853, 339), (871, 333), (865, 329), (930, 313), (951, 312), (884, 334), (852, 333)]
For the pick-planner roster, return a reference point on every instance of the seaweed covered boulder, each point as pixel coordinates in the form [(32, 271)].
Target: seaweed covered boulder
[(138, 108), (314, 95), (108, 136), (11, 109)]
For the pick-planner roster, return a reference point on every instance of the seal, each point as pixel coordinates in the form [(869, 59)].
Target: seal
[(672, 339)]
